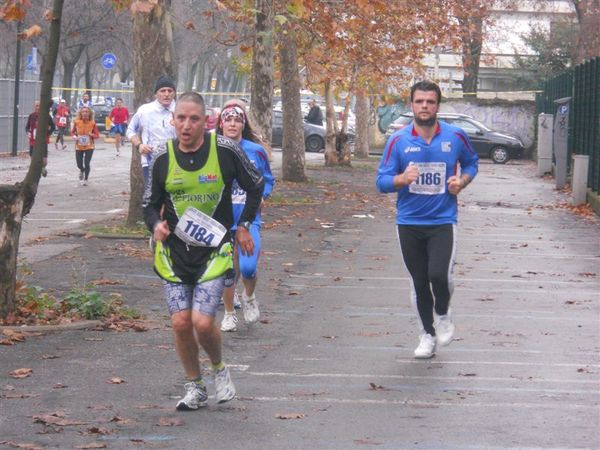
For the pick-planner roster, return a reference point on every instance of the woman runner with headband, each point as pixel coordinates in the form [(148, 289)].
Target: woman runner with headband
[(234, 124)]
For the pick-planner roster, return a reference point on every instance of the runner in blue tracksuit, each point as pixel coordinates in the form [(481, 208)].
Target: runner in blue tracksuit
[(420, 163), (234, 124)]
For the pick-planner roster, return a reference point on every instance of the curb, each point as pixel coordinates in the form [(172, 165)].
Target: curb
[(62, 327), (108, 235)]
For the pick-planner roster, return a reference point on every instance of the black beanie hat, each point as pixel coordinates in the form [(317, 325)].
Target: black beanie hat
[(164, 81)]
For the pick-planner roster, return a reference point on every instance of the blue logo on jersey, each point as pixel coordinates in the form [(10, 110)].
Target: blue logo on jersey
[(210, 178)]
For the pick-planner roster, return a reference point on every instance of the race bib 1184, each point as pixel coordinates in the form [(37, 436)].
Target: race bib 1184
[(198, 229)]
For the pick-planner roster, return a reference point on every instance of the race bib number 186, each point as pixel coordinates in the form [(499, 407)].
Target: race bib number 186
[(432, 179)]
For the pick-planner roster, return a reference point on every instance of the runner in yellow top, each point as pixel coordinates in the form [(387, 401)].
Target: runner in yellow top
[(187, 206)]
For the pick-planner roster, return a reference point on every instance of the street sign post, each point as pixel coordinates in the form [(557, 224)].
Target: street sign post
[(108, 60)]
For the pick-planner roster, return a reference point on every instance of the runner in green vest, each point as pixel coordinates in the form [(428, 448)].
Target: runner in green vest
[(187, 207)]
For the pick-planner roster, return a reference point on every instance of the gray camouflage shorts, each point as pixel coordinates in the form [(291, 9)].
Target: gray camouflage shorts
[(204, 297)]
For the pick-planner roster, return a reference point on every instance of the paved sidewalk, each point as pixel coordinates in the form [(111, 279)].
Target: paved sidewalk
[(330, 365)]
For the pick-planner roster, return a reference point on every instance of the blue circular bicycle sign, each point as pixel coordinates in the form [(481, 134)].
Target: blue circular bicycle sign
[(108, 60)]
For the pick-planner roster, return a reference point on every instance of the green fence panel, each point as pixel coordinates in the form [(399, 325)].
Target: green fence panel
[(583, 85)]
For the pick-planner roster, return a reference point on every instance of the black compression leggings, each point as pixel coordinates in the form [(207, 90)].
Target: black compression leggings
[(428, 253), (84, 158)]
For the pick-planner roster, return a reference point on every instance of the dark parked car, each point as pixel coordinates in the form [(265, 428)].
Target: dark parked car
[(500, 146), (314, 135), (101, 112)]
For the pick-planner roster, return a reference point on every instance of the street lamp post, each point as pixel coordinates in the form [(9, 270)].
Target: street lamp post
[(15, 130)]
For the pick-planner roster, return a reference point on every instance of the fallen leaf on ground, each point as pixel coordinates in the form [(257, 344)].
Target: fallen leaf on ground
[(119, 419), (366, 442), (59, 386), (92, 339), (115, 380), (53, 419), (98, 430), (6, 342), (330, 337), (50, 356), (27, 445), (91, 445), (24, 372), (377, 387), (290, 416), (293, 293), (105, 282), (460, 374), (14, 335), (170, 422)]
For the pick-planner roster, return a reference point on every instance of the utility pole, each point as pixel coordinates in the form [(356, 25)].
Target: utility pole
[(15, 130)]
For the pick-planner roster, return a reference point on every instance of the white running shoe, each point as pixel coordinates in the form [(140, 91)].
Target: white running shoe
[(195, 397), (426, 348), (230, 322), (224, 385), (250, 306), (444, 329)]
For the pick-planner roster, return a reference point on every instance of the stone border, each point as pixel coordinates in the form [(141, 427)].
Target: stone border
[(60, 327)]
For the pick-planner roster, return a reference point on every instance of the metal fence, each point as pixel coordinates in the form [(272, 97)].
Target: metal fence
[(586, 115), (582, 84), (29, 92)]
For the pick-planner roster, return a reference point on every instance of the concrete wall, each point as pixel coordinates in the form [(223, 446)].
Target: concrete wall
[(516, 117)]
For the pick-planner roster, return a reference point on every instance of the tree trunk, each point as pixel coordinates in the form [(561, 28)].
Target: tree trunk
[(11, 207), (88, 77), (189, 77), (200, 74), (261, 93), (472, 41), (154, 55), (331, 154), (293, 161), (68, 69), (361, 143), (16, 201)]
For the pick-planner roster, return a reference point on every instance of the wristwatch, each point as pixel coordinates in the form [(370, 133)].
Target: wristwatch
[(245, 224)]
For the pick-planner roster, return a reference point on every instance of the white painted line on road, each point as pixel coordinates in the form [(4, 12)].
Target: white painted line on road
[(76, 221), (537, 255), (421, 404), (459, 278), (496, 315), (111, 211), (420, 377), (544, 291), (511, 351), (501, 363)]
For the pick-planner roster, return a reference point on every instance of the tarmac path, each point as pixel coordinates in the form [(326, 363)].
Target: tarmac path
[(330, 364)]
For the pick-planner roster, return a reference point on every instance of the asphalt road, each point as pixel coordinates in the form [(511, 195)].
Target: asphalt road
[(331, 366)]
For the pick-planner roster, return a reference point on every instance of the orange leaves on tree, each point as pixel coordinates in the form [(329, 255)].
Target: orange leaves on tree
[(32, 31), (14, 10), (49, 17), (142, 6)]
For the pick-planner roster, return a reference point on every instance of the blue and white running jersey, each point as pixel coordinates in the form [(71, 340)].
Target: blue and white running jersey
[(257, 156), (426, 201)]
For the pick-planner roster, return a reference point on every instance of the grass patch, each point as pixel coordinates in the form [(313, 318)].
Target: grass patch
[(280, 200), (139, 230), (34, 306)]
